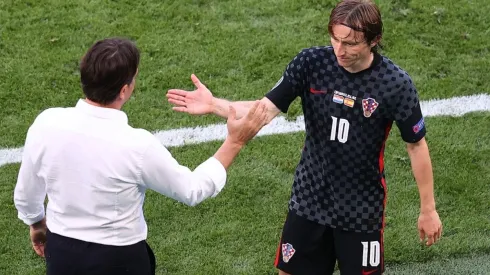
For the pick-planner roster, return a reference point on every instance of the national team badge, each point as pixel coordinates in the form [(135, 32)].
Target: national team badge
[(287, 252), (369, 105)]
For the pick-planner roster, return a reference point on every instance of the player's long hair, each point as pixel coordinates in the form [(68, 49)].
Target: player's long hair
[(360, 15)]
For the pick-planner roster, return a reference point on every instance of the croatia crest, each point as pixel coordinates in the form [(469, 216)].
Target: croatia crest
[(369, 105), (287, 252)]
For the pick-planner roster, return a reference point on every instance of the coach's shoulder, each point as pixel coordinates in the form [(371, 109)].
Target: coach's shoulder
[(52, 113), (143, 136)]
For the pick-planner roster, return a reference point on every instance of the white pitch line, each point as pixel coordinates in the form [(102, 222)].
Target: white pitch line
[(456, 106)]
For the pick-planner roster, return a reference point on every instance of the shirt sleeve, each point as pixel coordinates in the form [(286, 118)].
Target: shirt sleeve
[(30, 190), (162, 173), (291, 84), (407, 113)]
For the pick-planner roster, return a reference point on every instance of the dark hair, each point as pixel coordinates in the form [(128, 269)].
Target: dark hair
[(107, 66), (360, 15)]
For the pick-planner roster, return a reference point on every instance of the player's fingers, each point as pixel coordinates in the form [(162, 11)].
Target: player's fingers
[(252, 110), (175, 96), (430, 240), (263, 117), (177, 102), (196, 81), (177, 92), (421, 235), (180, 109), (260, 111)]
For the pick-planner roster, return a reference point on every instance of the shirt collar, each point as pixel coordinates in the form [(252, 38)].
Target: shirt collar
[(101, 112)]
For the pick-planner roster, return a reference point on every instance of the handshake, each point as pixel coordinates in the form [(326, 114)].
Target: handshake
[(244, 118)]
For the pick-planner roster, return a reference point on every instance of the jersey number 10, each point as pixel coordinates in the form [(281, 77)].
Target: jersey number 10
[(370, 252), (342, 133)]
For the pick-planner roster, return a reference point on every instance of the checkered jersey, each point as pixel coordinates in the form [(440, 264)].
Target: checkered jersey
[(339, 180)]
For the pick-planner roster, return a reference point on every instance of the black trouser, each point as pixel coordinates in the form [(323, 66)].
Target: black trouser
[(67, 256)]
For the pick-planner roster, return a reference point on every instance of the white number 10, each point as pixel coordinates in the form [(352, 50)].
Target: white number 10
[(343, 131), (373, 256)]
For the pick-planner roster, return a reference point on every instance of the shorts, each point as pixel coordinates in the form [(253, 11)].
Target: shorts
[(309, 248)]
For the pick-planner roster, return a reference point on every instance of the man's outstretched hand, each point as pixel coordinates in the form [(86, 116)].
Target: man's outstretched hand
[(197, 102)]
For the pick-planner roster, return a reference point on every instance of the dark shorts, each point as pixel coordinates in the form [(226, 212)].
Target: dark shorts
[(308, 248), (69, 256)]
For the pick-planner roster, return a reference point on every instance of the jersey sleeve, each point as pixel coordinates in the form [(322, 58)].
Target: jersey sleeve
[(407, 113), (291, 84)]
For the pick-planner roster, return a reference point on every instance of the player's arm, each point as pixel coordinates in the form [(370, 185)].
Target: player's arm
[(422, 171), (410, 121), (429, 221), (221, 107), (201, 101)]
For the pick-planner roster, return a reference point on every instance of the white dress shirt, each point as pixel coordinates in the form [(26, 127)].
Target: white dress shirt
[(95, 169)]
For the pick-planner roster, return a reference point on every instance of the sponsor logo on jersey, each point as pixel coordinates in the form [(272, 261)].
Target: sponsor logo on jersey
[(316, 92), (287, 252), (369, 105), (419, 126)]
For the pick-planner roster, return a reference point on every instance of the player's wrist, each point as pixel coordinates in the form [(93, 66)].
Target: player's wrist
[(214, 106), (427, 208)]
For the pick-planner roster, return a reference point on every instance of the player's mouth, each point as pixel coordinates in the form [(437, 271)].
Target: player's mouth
[(343, 59)]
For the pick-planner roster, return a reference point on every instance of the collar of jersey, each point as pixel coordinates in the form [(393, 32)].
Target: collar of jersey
[(101, 112)]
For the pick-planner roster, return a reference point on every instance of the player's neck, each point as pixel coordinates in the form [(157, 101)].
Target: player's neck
[(361, 65)]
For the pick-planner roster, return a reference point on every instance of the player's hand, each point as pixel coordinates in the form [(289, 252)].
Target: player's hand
[(430, 227), (197, 102), (240, 131), (38, 237)]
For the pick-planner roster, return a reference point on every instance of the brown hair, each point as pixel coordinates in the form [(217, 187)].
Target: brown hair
[(360, 15), (107, 66)]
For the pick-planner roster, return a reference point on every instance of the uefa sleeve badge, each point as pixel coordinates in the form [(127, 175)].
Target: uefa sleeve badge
[(287, 252)]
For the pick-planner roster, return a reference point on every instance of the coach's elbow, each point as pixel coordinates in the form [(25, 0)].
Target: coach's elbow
[(192, 197)]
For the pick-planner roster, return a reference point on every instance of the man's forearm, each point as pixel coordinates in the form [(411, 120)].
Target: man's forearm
[(221, 107), (227, 153), (422, 171)]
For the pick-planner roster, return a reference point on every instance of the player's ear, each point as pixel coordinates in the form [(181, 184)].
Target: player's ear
[(375, 41)]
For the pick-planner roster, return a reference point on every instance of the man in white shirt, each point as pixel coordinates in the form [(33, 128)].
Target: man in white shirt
[(95, 169)]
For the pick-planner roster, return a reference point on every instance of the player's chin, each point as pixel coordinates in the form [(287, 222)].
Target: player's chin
[(344, 63)]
